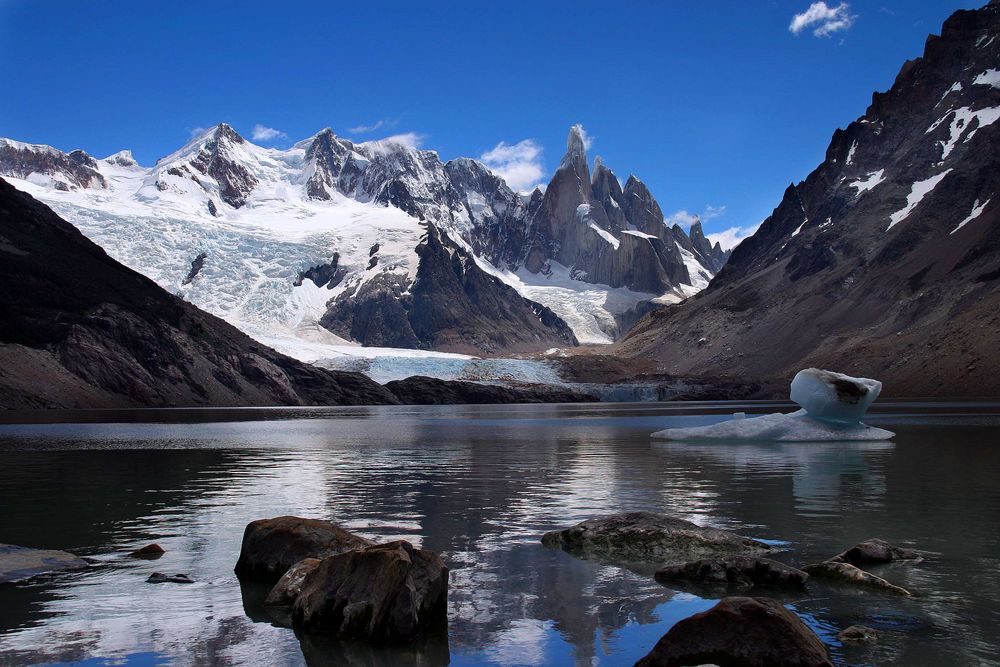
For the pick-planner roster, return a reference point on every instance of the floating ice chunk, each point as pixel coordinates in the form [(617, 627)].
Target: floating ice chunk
[(795, 427), (834, 397), (833, 405)]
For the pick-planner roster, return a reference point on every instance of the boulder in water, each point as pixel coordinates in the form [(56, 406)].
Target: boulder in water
[(743, 572), (160, 578), (845, 573), (20, 563), (876, 552), (740, 631), (649, 537), (289, 586), (857, 633), (271, 546), (387, 593), (148, 552)]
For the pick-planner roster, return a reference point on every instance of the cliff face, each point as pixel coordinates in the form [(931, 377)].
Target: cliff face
[(81, 330), (885, 260)]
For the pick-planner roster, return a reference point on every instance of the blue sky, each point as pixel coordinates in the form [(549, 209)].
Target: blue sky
[(717, 106)]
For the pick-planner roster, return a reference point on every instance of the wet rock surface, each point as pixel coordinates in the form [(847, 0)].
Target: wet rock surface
[(271, 546), (19, 563), (858, 633), (390, 592), (845, 573), (876, 552), (289, 586), (160, 578), (148, 552), (741, 631), (743, 572), (649, 537)]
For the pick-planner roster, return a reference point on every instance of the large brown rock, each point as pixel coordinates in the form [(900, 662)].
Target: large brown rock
[(650, 537), (289, 586), (845, 573), (876, 552), (740, 632), (271, 546), (389, 593), (736, 571)]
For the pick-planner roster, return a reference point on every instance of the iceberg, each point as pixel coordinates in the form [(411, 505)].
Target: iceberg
[(832, 407)]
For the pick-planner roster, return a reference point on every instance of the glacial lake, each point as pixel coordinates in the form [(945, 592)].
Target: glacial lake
[(481, 484)]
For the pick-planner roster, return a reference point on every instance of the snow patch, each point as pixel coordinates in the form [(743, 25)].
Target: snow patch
[(990, 77), (850, 153), (977, 210), (918, 191), (873, 179), (961, 120)]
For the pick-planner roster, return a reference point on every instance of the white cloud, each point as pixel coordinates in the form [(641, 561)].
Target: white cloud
[(686, 219), (520, 164), (261, 133), (383, 123), (730, 238), (407, 139), (195, 131), (823, 19), (588, 140)]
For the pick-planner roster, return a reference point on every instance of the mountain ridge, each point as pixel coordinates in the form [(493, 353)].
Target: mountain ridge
[(883, 261)]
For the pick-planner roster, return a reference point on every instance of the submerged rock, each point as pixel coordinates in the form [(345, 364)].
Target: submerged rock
[(148, 552), (647, 537), (876, 552), (271, 546), (834, 397), (736, 571), (857, 633), (20, 563), (289, 586), (845, 573), (390, 593), (160, 578), (740, 631)]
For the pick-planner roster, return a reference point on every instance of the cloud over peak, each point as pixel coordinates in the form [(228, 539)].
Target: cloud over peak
[(520, 164), (823, 19), (261, 133)]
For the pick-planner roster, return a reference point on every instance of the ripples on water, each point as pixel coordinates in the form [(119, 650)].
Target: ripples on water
[(481, 484)]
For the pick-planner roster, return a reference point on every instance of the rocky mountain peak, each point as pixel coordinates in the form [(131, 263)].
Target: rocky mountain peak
[(122, 159)]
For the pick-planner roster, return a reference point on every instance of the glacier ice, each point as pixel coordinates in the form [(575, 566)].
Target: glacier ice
[(834, 397), (832, 407)]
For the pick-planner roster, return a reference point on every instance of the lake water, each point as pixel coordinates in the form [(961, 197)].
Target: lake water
[(480, 485)]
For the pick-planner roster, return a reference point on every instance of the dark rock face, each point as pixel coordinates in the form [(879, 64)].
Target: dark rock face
[(845, 573), (271, 546), (77, 168), (326, 275), (712, 256), (20, 563), (875, 552), (289, 586), (738, 631), (197, 264), (418, 390), (858, 633), (649, 537), (451, 305), (742, 572), (235, 181), (388, 593), (148, 552), (81, 330), (881, 284), (160, 578)]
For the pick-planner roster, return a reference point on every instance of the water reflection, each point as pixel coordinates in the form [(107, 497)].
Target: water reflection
[(480, 485)]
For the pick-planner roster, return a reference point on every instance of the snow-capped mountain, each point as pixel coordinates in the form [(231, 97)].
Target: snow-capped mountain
[(885, 260), (332, 243)]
